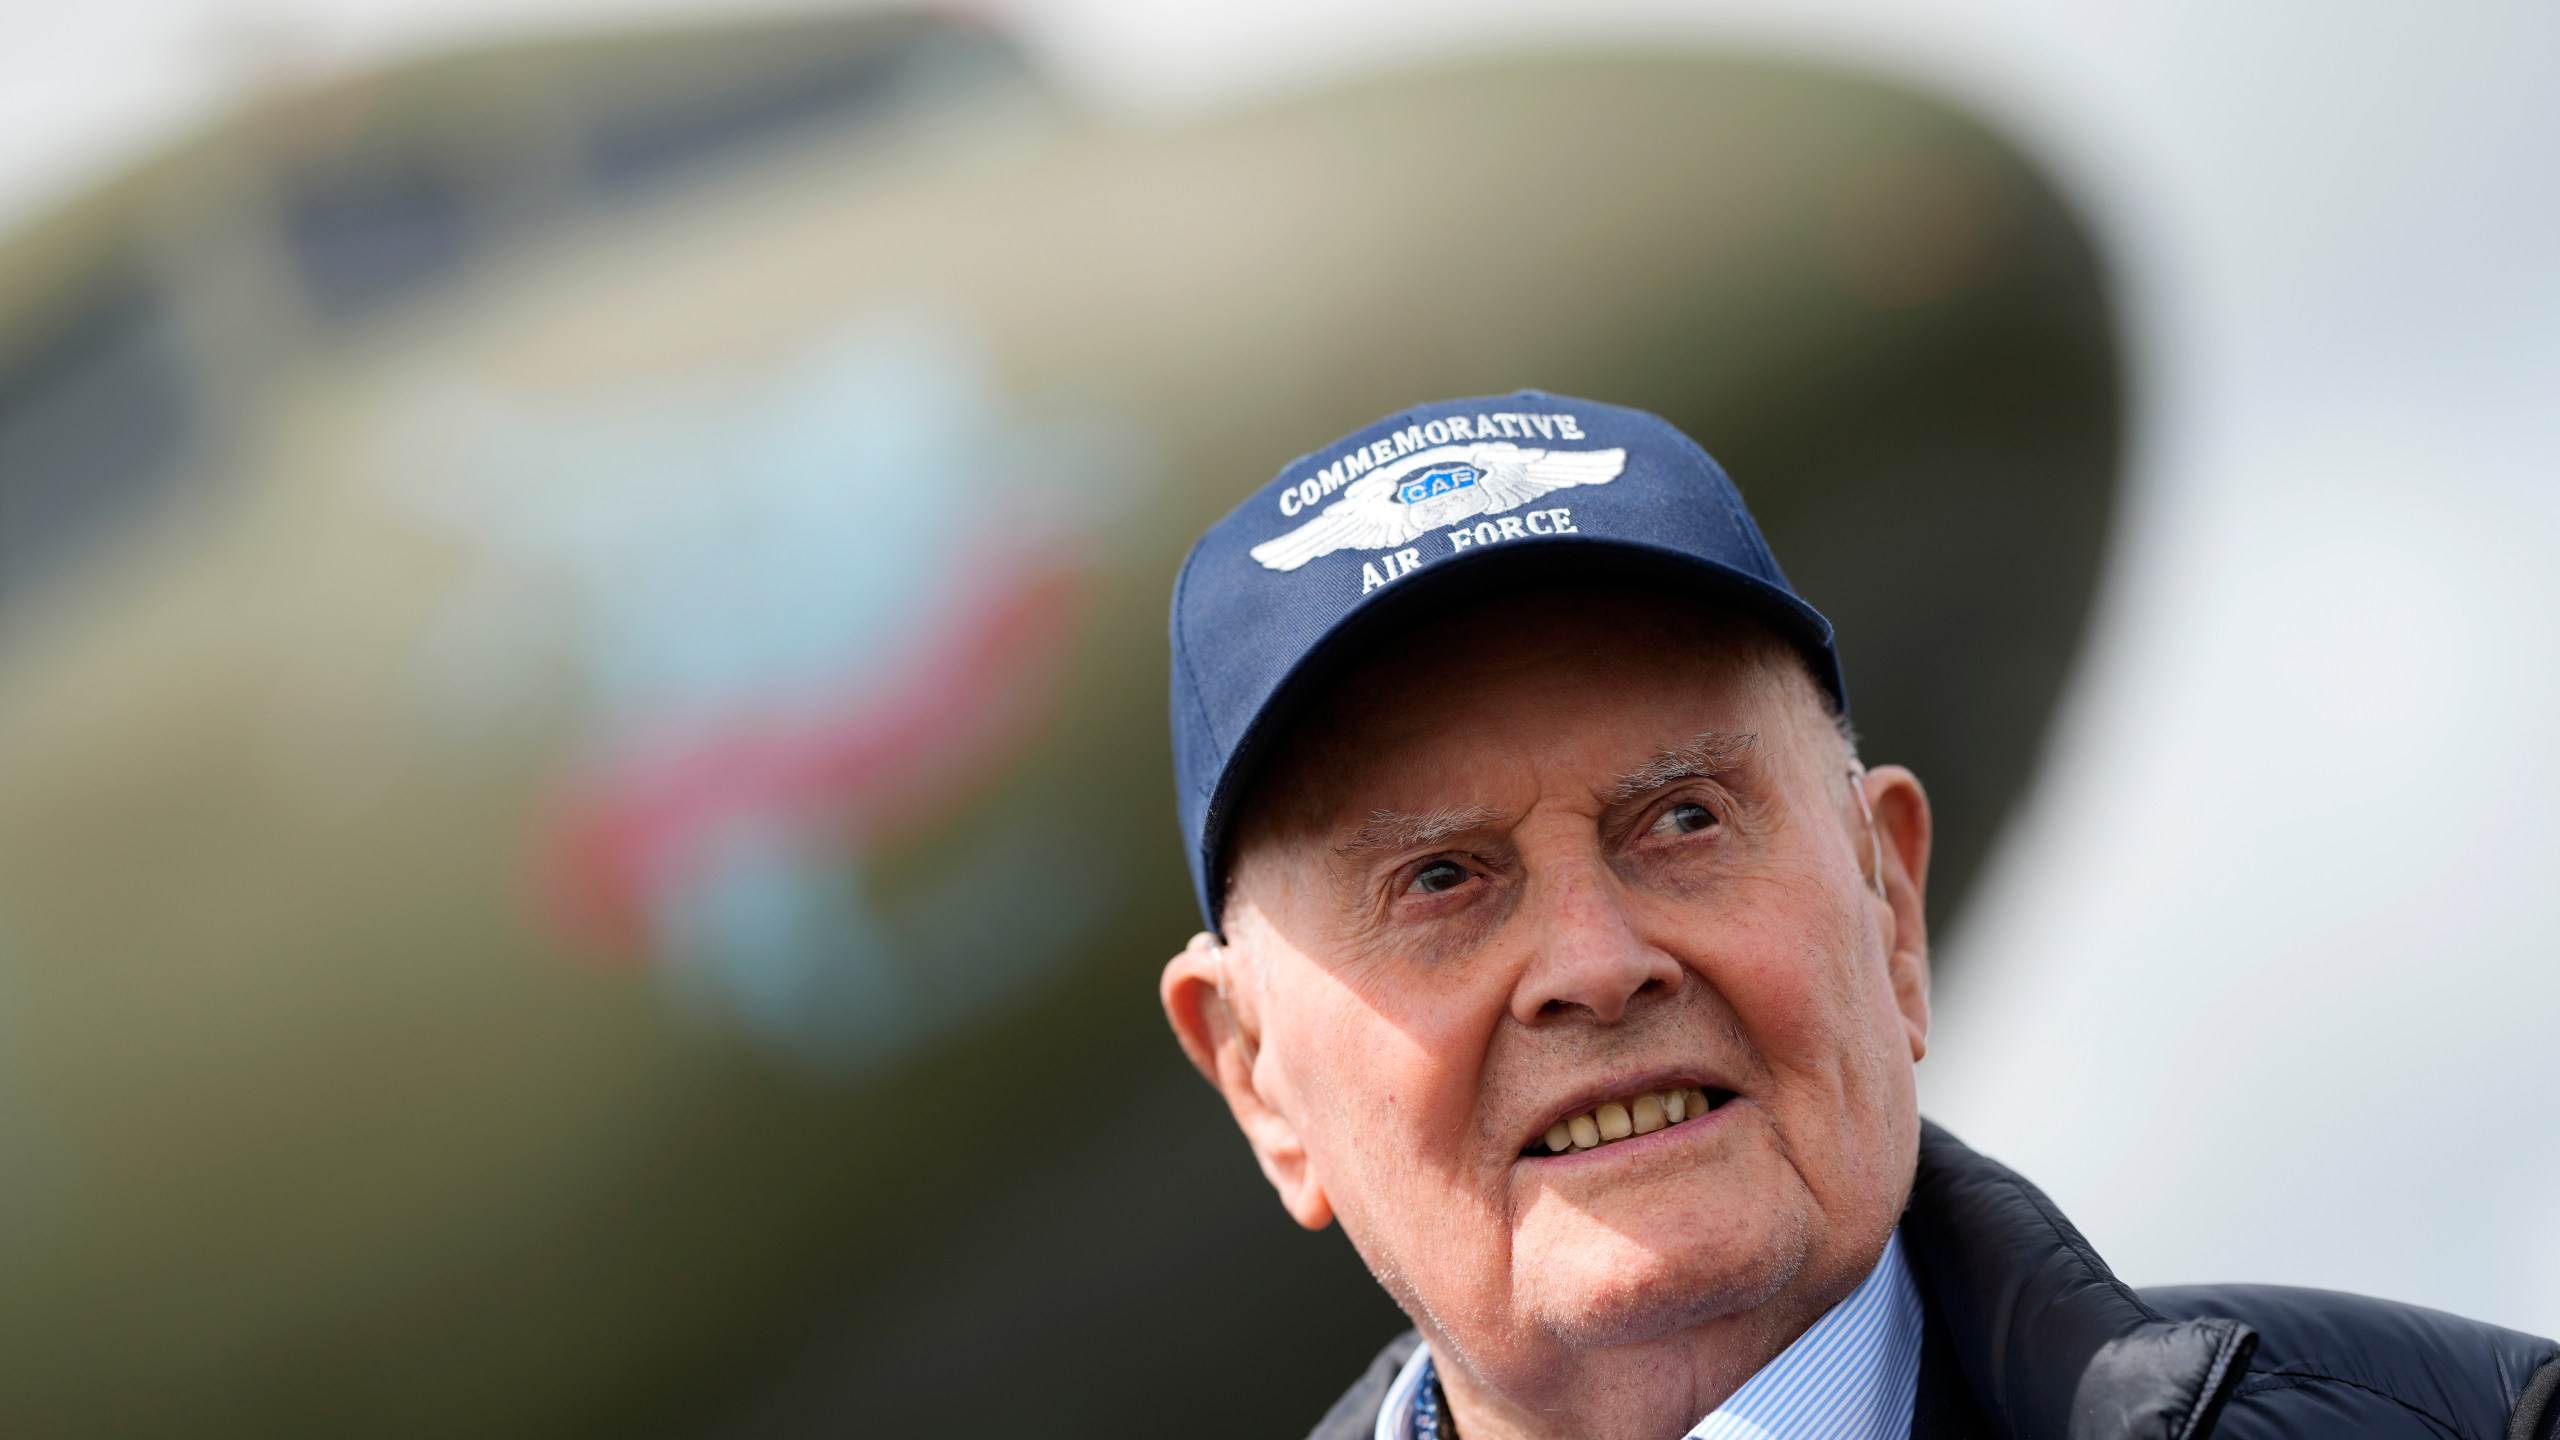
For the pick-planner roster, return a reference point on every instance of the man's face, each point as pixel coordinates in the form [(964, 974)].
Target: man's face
[(1560, 854)]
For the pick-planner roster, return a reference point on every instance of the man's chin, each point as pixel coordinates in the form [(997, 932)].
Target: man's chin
[(1668, 1241), (1597, 1284)]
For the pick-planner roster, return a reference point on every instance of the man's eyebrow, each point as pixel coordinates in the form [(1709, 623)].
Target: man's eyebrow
[(1405, 830), (1703, 756)]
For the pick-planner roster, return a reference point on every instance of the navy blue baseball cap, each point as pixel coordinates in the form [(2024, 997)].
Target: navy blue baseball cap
[(1434, 507)]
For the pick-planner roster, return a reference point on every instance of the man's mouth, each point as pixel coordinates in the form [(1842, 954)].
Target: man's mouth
[(1642, 1113)]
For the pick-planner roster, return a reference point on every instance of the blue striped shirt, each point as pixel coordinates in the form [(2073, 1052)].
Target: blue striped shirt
[(1851, 1377)]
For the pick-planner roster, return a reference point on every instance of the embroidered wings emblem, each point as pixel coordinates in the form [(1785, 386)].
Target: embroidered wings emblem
[(1381, 510)]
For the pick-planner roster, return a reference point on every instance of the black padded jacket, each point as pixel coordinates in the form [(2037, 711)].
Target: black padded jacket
[(2030, 1337)]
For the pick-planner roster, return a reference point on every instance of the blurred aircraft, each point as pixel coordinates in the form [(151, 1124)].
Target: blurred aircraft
[(584, 834)]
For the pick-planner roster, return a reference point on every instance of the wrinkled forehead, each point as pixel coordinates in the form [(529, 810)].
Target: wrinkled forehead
[(1476, 689)]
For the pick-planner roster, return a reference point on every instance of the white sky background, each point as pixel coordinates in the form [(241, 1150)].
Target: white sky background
[(2265, 981)]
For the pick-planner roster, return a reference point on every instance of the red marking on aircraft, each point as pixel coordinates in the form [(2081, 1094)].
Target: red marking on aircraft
[(858, 767)]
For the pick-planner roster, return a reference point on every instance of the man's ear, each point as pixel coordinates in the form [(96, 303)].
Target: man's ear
[(1210, 996), (1901, 818)]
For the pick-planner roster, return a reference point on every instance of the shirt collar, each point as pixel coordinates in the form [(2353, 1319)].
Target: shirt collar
[(1852, 1376)]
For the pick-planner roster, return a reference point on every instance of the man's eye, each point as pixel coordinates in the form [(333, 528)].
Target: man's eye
[(1686, 818), (1437, 876)]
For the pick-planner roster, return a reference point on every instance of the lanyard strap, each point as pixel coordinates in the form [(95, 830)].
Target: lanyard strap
[(1431, 1419)]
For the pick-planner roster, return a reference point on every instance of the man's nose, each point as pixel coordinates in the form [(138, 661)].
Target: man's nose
[(1589, 959)]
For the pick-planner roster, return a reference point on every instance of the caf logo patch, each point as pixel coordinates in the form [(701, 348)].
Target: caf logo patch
[(1431, 488)]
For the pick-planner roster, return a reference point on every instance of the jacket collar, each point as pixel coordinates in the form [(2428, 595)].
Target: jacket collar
[(2051, 1344)]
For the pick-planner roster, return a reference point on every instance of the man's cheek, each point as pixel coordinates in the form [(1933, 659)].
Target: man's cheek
[(1796, 988), (1406, 1060), (1351, 1090), (1781, 997)]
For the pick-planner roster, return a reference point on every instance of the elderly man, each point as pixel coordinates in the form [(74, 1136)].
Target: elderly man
[(1563, 950)]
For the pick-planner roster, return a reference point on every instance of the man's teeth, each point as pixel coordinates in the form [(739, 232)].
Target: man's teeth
[(1651, 1113), (1618, 1119)]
